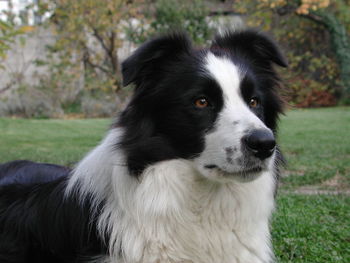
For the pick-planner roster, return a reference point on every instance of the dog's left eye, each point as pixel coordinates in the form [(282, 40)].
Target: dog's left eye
[(253, 102), (201, 102)]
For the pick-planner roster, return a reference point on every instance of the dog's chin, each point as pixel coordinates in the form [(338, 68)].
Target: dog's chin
[(244, 175)]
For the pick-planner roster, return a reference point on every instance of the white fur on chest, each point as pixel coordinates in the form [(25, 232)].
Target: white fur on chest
[(174, 215)]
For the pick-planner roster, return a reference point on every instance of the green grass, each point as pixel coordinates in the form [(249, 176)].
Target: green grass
[(49, 140), (316, 143), (312, 229)]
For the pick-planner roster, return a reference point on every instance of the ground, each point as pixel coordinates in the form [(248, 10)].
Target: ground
[(311, 223)]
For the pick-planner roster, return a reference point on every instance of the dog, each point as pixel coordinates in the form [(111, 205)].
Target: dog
[(187, 172)]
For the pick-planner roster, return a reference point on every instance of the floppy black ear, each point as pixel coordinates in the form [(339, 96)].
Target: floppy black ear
[(251, 43), (149, 57)]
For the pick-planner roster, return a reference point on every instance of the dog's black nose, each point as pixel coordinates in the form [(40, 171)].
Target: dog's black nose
[(261, 143)]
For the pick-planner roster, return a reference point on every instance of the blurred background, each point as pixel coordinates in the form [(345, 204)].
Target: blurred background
[(62, 58), (60, 70)]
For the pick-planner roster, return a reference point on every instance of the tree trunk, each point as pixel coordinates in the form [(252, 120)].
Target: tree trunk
[(340, 45)]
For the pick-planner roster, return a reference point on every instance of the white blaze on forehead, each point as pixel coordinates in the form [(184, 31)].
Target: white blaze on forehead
[(226, 74), (229, 77)]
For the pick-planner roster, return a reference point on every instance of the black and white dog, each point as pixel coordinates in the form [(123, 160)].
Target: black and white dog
[(186, 174)]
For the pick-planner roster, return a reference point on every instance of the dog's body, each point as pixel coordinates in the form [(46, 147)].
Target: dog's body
[(186, 174), (27, 172)]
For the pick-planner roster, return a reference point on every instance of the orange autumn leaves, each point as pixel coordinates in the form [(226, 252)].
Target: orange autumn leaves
[(304, 8), (307, 5)]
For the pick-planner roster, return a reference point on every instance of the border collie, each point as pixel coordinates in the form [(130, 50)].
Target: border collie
[(187, 173)]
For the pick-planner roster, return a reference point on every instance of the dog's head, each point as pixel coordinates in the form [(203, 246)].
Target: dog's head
[(216, 107)]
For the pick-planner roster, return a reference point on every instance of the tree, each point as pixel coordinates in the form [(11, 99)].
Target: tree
[(90, 32), (322, 12), (84, 58), (8, 35), (333, 17), (161, 16)]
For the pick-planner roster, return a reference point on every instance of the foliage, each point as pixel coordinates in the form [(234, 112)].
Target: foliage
[(9, 30), (6, 37), (81, 66), (311, 5), (83, 62), (312, 79), (8, 34), (310, 23), (11, 35), (171, 15), (88, 36)]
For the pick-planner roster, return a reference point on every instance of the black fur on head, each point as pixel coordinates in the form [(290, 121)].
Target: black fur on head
[(161, 121), (140, 67), (251, 44)]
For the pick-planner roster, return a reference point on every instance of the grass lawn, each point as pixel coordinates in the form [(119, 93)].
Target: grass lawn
[(312, 228), (50, 140), (316, 142)]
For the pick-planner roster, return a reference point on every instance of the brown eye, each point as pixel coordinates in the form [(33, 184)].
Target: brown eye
[(201, 102), (253, 103)]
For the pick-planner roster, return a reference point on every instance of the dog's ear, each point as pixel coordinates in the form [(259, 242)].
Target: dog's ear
[(251, 43), (150, 57)]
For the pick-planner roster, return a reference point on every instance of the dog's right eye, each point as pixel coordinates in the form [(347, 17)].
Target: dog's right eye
[(201, 102), (254, 102)]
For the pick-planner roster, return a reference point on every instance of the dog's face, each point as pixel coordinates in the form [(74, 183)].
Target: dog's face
[(216, 107)]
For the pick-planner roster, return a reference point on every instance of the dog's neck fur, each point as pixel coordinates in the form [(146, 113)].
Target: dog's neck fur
[(172, 214)]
